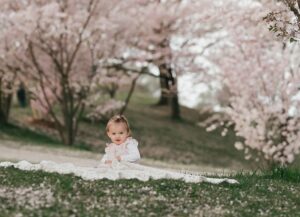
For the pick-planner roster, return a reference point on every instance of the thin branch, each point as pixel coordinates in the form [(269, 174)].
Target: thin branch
[(41, 72)]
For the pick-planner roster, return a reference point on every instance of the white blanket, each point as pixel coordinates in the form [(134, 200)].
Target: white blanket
[(122, 170)]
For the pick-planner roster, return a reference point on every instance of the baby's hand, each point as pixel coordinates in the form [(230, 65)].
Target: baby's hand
[(108, 162)]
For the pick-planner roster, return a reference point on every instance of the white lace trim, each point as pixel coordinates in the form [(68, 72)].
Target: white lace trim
[(124, 170)]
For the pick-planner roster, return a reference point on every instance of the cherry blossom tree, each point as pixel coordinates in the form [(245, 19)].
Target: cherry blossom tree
[(64, 42), (284, 20), (167, 39), (107, 82), (9, 68), (263, 83), (133, 71)]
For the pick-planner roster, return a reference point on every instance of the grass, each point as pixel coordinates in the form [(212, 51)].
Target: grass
[(271, 193), (27, 136), (182, 141)]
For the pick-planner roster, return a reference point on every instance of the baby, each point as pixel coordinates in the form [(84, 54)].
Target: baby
[(123, 146)]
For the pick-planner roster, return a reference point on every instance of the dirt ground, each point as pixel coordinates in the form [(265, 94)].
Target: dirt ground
[(16, 151)]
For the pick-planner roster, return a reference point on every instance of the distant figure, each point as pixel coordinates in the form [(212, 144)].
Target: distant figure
[(21, 95), (123, 146)]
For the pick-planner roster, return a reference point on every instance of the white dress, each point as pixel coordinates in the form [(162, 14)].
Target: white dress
[(128, 151)]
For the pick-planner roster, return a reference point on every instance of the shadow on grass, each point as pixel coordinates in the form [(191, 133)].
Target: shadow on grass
[(26, 135)]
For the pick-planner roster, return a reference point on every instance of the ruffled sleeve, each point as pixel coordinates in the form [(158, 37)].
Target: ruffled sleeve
[(133, 153)]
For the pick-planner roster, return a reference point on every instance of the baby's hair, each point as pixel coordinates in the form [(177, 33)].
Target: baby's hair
[(118, 119)]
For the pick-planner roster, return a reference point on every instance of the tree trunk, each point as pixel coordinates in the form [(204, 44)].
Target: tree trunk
[(5, 105), (169, 93), (67, 130), (69, 115), (175, 108), (3, 120), (22, 96), (70, 134), (72, 113), (164, 85), (163, 100)]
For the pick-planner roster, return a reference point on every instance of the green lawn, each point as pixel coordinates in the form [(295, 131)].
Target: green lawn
[(26, 136), (274, 193)]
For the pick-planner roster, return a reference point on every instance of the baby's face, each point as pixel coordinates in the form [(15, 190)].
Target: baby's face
[(118, 133)]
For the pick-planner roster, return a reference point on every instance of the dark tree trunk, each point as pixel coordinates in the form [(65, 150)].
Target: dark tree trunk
[(169, 93), (163, 100), (174, 101), (164, 85), (70, 134), (175, 107), (69, 130), (68, 113), (3, 119), (22, 96), (5, 105)]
